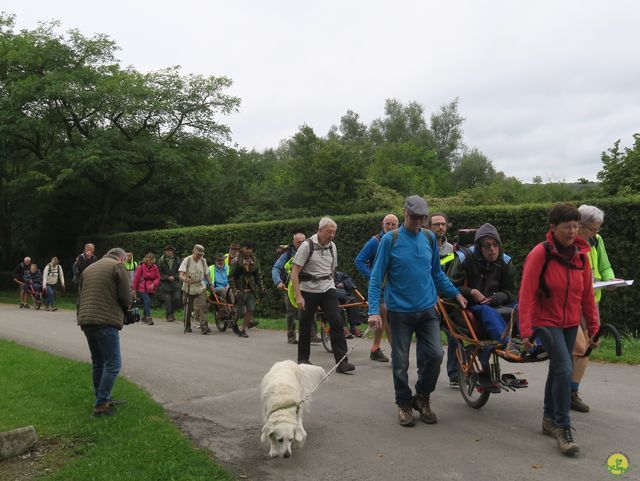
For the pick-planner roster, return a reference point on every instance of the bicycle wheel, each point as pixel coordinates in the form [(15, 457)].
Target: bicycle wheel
[(221, 324), (472, 393), (325, 333)]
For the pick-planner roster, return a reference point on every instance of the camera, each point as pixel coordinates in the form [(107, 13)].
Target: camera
[(132, 315)]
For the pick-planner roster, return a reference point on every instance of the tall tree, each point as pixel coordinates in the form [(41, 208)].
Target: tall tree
[(91, 137), (446, 128), (620, 174)]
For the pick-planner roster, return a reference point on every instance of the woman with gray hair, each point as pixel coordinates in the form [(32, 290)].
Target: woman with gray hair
[(591, 220)]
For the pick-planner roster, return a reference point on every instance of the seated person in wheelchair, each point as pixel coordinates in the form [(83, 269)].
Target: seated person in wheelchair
[(33, 282), (220, 281), (485, 276), (344, 289)]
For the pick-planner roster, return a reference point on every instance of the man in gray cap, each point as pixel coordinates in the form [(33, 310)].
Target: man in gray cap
[(408, 263)]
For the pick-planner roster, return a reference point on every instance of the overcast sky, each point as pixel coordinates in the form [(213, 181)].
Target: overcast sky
[(545, 86)]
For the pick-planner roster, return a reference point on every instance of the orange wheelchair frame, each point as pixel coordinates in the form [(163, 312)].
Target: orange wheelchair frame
[(474, 392), (222, 322), (325, 328)]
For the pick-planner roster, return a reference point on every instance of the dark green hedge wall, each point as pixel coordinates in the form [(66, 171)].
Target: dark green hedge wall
[(521, 227)]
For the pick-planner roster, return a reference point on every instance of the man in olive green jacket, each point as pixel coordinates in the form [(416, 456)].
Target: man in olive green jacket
[(103, 296)]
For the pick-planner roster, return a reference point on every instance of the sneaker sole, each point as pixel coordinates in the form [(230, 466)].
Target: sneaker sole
[(571, 451)]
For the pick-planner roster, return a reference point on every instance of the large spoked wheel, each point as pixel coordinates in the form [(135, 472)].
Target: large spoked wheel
[(324, 333), (472, 393), (221, 324)]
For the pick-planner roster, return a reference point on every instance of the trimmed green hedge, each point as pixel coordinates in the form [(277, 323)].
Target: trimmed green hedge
[(521, 227)]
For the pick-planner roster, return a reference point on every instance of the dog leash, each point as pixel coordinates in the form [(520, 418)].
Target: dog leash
[(333, 369)]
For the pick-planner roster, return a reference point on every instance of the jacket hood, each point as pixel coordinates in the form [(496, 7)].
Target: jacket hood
[(487, 230)]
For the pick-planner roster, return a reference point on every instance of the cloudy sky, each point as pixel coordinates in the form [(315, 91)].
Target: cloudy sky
[(545, 86)]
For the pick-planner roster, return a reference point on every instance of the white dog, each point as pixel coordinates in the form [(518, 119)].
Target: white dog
[(282, 389)]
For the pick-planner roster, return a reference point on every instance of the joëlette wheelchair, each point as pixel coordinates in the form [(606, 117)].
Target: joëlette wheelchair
[(223, 312), (474, 344), (325, 328)]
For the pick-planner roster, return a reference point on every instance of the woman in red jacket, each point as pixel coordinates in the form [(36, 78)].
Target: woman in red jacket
[(556, 290), (145, 283)]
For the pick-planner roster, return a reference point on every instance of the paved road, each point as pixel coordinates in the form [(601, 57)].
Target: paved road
[(209, 386)]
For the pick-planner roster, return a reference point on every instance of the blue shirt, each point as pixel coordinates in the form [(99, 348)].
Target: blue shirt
[(278, 267), (220, 278), (367, 256), (414, 276)]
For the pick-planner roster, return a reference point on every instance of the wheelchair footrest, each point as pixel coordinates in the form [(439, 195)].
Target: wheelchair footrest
[(510, 380)]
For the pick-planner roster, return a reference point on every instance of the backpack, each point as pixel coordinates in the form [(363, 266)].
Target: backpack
[(308, 277)]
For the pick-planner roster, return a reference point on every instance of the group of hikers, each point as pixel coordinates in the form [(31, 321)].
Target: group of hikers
[(407, 267)]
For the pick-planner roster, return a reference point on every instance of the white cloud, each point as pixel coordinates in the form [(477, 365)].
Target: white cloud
[(545, 86)]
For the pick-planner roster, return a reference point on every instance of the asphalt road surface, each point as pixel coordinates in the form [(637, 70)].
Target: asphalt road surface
[(209, 385)]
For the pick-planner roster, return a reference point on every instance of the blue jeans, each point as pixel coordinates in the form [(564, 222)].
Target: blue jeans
[(104, 344), (51, 292), (146, 303), (557, 390), (426, 326), (492, 321)]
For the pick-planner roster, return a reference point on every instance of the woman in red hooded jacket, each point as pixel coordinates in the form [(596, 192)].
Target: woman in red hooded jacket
[(145, 282), (556, 290)]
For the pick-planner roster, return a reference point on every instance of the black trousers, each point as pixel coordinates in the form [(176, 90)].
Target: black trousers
[(328, 302)]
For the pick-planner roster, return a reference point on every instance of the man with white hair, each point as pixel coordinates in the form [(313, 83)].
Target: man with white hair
[(409, 264), (364, 263), (19, 274), (312, 278)]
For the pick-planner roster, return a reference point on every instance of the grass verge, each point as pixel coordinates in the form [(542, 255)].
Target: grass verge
[(55, 395), (606, 352)]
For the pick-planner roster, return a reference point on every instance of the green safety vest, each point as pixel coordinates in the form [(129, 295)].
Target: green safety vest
[(130, 266), (446, 259)]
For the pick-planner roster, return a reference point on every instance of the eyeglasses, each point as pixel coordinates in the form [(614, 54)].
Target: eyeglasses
[(591, 229), (489, 245), (568, 227)]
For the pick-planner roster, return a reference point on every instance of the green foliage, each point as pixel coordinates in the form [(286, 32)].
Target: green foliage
[(620, 174), (521, 228)]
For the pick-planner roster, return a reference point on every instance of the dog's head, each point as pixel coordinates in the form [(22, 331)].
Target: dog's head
[(282, 436)]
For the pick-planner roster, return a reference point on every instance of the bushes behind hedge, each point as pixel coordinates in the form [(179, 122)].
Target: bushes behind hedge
[(521, 228)]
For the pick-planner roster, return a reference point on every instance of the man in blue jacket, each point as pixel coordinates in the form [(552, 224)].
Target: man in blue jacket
[(408, 264), (364, 263)]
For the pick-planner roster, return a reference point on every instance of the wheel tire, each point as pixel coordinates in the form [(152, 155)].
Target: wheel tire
[(325, 334), (469, 385), (221, 324)]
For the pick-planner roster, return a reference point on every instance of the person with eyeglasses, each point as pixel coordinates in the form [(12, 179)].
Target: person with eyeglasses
[(486, 276), (591, 219), (556, 292)]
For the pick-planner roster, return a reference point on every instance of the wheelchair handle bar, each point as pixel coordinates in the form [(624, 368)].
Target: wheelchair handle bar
[(607, 329)]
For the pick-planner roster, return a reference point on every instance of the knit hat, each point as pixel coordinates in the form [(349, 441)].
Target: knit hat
[(487, 230)]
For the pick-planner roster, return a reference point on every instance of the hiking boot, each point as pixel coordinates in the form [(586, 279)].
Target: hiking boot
[(252, 323), (454, 383), (305, 361), (170, 318), (27, 306), (548, 426), (315, 340), (187, 329), (242, 333), (347, 334), (21, 306), (564, 436), (104, 409), (422, 403), (47, 308), (149, 321), (54, 309), (378, 355), (235, 329), (345, 367), (405, 416), (577, 404), (206, 331), (292, 340), (356, 332)]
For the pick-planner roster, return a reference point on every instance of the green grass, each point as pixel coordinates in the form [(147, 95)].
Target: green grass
[(606, 352), (138, 443)]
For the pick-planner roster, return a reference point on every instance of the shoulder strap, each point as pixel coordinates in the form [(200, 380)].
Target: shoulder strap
[(310, 244), (547, 257), (378, 237)]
